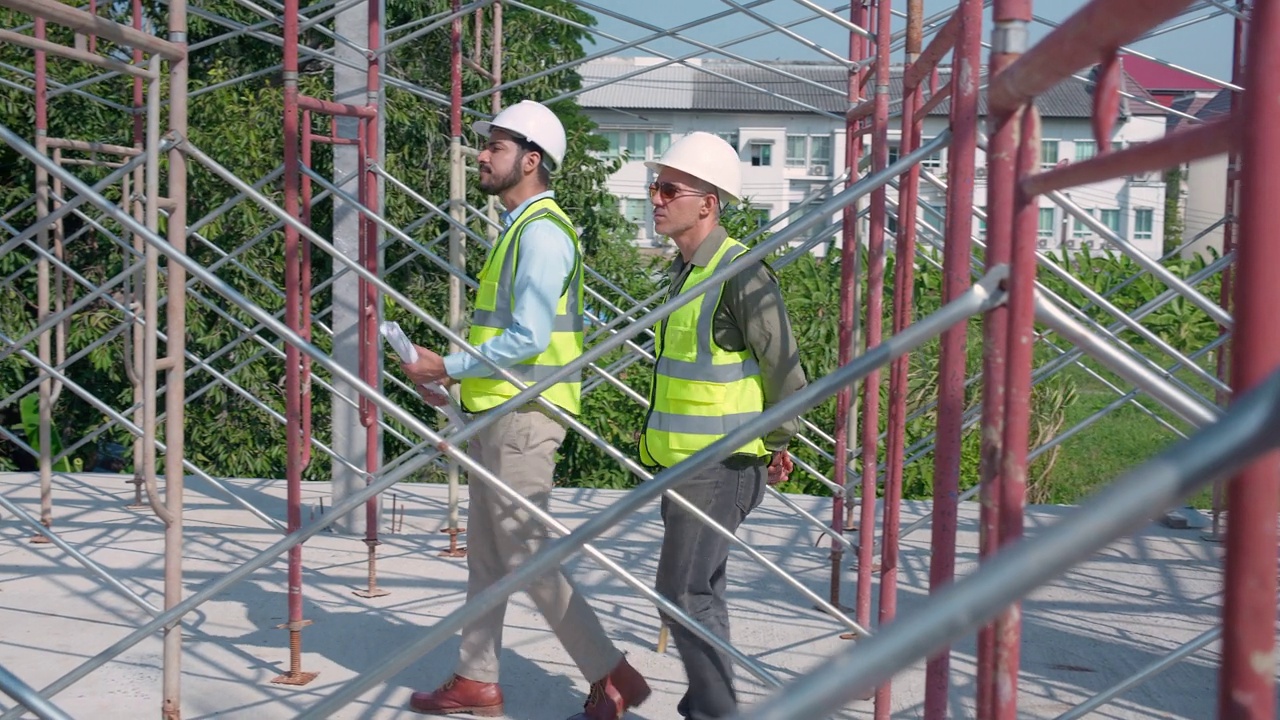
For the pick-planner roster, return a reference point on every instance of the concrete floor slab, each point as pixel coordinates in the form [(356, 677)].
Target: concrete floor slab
[(1127, 606)]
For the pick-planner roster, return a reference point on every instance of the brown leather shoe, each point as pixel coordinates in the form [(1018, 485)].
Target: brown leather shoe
[(460, 695), (623, 688)]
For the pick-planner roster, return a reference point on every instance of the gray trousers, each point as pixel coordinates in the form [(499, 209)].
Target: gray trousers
[(691, 574), (520, 449)]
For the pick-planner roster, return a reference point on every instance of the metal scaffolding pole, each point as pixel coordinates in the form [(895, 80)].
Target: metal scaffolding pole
[(1246, 688), (952, 370)]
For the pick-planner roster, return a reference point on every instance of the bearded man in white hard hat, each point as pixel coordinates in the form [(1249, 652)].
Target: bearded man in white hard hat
[(722, 359), (527, 319)]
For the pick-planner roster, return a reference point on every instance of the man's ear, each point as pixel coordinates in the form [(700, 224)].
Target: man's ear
[(530, 161), (709, 203)]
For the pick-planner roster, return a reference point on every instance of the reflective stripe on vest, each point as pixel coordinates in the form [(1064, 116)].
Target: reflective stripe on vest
[(700, 391), (493, 314)]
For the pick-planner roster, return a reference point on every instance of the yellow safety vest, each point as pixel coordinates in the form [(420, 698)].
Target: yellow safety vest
[(700, 391), (495, 303)]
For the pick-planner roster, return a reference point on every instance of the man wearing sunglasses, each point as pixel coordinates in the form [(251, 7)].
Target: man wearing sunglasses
[(528, 320), (722, 358)]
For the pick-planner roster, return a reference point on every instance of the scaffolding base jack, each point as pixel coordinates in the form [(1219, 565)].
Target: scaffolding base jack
[(295, 676), (137, 503), (664, 635), (372, 591), (454, 550), (41, 538)]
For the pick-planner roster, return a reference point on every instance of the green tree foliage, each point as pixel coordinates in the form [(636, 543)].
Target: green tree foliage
[(1173, 221), (239, 124)]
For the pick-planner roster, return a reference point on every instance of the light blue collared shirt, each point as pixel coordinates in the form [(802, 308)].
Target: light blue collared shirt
[(545, 261)]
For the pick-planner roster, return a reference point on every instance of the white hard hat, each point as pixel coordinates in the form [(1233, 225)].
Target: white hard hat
[(534, 122), (708, 158)]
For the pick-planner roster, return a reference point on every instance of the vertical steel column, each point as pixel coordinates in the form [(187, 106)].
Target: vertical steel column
[(875, 309), (136, 280), (952, 364), (871, 413), (1247, 684), (457, 199), (904, 279), (1228, 244), (1017, 408), (293, 364), (174, 365), (369, 295), (44, 393), (848, 287), (1008, 41)]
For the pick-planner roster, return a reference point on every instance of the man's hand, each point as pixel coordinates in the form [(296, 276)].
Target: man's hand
[(428, 368), (780, 467)]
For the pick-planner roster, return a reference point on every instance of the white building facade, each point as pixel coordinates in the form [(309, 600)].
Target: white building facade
[(790, 137)]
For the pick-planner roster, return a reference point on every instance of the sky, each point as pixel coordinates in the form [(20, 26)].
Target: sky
[(1204, 47)]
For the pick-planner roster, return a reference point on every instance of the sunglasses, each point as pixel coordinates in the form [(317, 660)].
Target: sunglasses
[(669, 191)]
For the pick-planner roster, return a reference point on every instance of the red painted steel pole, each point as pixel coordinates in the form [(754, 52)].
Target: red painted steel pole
[(1017, 403), (867, 511), (1008, 37), (952, 367), (875, 304), (293, 365), (138, 102), (1207, 140), (1247, 685), (369, 293), (848, 285), (1083, 39), (1228, 243), (904, 278)]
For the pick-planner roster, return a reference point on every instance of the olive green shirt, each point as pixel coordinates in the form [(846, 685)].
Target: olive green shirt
[(752, 315)]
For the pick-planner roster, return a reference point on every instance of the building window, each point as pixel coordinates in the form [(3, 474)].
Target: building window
[(614, 139), (895, 152), (936, 215), (1078, 229), (1048, 153), (661, 141), (1046, 223), (636, 211), (1085, 149), (761, 215), (1142, 221), (934, 161), (820, 155), (797, 150), (761, 154), (1111, 219), (731, 138), (637, 144)]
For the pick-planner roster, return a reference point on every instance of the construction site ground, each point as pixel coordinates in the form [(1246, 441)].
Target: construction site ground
[(1120, 611)]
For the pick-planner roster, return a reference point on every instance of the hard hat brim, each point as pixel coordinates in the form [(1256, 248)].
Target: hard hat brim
[(482, 127), (726, 197)]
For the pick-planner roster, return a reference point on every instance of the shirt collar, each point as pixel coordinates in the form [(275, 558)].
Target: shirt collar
[(704, 254), (508, 217), (710, 246)]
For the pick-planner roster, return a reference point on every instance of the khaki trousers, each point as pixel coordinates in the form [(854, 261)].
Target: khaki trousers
[(520, 449)]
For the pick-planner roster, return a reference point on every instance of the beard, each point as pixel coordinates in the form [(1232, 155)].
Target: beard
[(496, 184)]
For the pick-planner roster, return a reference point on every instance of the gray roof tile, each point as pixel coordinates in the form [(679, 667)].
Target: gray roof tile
[(734, 86)]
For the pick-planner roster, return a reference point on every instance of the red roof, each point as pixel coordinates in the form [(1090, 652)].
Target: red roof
[(1157, 78)]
